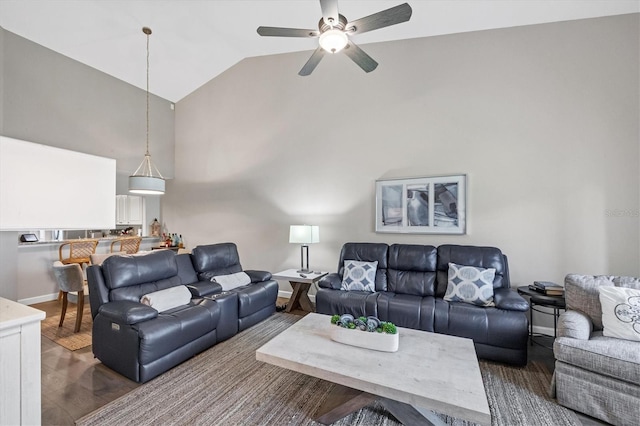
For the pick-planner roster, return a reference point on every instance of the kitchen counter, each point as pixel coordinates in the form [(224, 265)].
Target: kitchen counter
[(102, 240), (36, 282)]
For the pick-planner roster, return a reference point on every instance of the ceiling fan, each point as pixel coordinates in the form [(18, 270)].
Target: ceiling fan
[(334, 32)]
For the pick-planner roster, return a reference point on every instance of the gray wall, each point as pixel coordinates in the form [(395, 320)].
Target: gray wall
[(543, 119), (8, 252), (54, 100)]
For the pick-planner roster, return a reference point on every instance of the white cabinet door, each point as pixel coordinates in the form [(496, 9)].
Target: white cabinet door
[(135, 209), (129, 210), (121, 210)]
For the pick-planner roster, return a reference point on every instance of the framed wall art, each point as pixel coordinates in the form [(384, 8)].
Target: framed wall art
[(424, 205)]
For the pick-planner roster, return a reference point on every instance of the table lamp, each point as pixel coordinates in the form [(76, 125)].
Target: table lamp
[(305, 235)]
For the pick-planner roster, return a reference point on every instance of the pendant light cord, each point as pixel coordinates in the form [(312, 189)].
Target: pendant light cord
[(147, 31)]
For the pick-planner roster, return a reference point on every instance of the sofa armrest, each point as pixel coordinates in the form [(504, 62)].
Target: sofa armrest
[(204, 288), (127, 312), (506, 298), (258, 276), (332, 281), (575, 324)]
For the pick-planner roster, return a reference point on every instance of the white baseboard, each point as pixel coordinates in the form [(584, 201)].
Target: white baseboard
[(39, 299), (537, 329)]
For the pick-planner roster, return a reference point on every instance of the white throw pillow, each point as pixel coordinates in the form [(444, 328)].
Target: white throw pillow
[(620, 312), (470, 284), (231, 281), (359, 276), (163, 300)]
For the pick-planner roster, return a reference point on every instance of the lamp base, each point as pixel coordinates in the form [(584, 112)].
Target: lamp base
[(304, 271)]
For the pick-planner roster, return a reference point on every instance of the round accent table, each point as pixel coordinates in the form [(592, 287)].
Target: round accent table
[(538, 299)]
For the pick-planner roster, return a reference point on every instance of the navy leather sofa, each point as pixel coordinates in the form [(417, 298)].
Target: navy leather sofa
[(410, 283), (139, 342)]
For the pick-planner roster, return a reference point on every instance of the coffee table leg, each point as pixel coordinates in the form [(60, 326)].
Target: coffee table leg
[(342, 402), (410, 415)]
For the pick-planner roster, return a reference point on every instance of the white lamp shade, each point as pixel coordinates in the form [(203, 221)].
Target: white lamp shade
[(146, 185), (304, 234)]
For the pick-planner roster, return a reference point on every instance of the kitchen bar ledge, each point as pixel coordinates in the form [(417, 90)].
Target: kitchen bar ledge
[(102, 240), (36, 283)]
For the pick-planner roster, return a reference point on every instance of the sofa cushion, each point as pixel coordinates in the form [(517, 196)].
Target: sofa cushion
[(217, 259), (481, 257), (185, 269), (405, 310), (620, 312), (609, 356), (174, 329), (581, 293), (130, 270), (470, 284), (412, 269), (359, 276), (489, 326), (356, 303)]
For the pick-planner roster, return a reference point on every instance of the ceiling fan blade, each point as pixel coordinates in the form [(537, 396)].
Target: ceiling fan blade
[(329, 11), (395, 15), (313, 62), (359, 56), (287, 32)]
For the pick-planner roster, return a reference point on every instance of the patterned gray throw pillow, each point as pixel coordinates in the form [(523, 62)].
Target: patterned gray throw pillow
[(470, 284), (359, 276)]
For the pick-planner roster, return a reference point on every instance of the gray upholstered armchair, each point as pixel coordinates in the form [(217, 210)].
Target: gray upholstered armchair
[(595, 374)]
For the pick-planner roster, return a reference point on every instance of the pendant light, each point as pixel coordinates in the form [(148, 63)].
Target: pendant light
[(143, 180)]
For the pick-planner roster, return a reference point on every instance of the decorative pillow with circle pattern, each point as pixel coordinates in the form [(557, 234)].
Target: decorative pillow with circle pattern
[(470, 284), (359, 276), (620, 312)]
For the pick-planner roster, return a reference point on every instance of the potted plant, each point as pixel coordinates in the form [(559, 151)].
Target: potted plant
[(365, 332)]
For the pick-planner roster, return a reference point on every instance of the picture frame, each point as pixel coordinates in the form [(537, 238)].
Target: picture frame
[(422, 205)]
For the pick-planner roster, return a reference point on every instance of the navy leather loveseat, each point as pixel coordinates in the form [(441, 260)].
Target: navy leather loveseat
[(410, 283), (140, 342)]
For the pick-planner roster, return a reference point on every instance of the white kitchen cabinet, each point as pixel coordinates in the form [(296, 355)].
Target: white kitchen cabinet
[(129, 210), (20, 388)]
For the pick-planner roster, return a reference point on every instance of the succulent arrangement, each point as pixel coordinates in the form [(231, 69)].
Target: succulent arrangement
[(369, 323)]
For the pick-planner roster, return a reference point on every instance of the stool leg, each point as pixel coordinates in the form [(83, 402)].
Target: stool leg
[(80, 310), (64, 308)]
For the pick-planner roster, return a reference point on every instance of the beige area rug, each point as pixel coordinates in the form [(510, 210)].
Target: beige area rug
[(225, 385), (64, 336)]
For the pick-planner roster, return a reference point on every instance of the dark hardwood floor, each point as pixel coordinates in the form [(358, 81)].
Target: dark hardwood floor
[(74, 383)]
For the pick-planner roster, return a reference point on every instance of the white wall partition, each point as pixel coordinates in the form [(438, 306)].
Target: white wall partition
[(45, 187)]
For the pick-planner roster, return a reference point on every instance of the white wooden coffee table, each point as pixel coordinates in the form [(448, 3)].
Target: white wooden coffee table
[(429, 373)]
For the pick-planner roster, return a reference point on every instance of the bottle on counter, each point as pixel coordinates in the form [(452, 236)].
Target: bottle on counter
[(180, 242)]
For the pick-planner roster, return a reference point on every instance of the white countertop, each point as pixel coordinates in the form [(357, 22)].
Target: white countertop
[(13, 314), (100, 240)]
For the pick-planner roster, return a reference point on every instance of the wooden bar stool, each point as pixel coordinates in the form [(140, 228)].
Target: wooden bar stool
[(78, 252), (130, 245), (69, 278)]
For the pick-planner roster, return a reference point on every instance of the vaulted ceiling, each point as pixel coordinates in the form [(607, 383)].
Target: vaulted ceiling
[(194, 41)]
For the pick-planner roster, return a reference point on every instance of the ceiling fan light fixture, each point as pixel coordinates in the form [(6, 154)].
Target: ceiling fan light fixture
[(333, 40)]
